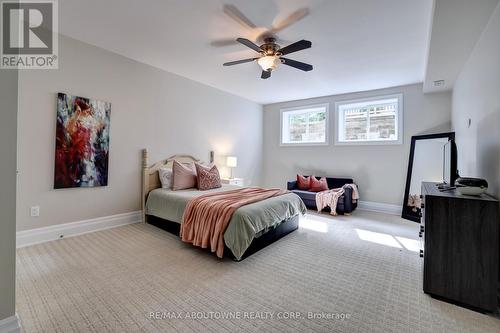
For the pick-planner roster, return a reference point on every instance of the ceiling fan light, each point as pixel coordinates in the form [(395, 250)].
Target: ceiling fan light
[(269, 63)]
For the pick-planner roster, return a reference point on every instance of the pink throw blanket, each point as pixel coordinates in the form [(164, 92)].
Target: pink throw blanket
[(206, 217), (330, 197)]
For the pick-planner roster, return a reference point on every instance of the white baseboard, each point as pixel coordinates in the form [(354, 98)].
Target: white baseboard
[(45, 234), (41, 235), (380, 207), (10, 325)]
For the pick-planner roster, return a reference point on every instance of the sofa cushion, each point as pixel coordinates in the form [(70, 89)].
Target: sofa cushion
[(338, 182), (305, 195), (318, 185), (309, 199), (303, 182)]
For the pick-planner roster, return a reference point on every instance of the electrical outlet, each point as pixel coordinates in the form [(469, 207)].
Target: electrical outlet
[(35, 211)]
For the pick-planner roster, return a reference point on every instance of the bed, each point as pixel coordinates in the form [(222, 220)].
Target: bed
[(251, 227)]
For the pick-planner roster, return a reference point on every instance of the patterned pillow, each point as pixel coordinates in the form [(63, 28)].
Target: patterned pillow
[(208, 177), (184, 176), (166, 177)]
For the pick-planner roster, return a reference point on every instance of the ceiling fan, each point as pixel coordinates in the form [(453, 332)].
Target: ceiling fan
[(271, 55), (259, 33), (270, 52)]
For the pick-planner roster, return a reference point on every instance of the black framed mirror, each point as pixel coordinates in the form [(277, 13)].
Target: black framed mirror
[(432, 158)]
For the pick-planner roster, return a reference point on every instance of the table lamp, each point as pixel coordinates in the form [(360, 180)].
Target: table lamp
[(232, 162)]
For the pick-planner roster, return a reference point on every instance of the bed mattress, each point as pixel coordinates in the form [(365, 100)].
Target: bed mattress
[(247, 222)]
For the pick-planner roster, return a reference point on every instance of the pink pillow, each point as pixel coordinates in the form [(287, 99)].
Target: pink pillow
[(303, 182), (208, 177), (318, 185), (184, 176)]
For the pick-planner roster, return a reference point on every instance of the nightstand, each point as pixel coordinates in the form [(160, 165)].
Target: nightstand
[(232, 181)]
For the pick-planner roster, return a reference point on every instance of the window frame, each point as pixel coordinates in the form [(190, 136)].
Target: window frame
[(399, 121), (326, 106)]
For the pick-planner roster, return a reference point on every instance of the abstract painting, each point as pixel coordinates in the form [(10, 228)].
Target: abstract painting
[(82, 142)]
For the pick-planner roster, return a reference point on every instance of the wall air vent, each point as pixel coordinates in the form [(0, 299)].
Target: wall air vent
[(438, 83)]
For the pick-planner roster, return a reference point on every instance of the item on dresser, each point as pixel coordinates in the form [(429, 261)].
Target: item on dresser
[(471, 186), (208, 177), (184, 176), (461, 247), (166, 176)]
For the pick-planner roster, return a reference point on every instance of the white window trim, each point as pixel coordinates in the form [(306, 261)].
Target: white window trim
[(399, 119), (303, 107)]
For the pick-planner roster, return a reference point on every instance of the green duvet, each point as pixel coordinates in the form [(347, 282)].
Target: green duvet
[(247, 223)]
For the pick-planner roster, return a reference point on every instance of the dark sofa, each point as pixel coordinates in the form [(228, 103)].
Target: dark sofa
[(344, 205)]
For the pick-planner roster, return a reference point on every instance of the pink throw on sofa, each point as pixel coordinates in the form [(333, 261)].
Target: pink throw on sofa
[(206, 217), (330, 198)]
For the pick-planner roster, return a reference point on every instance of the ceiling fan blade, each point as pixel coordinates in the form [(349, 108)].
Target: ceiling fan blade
[(265, 75), (224, 42), (233, 12), (297, 64), (250, 44), (231, 63), (296, 16), (297, 46)]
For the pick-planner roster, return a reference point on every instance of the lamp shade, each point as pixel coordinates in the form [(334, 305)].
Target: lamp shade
[(232, 161)]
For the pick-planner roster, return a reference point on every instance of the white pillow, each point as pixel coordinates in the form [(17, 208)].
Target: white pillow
[(165, 177)]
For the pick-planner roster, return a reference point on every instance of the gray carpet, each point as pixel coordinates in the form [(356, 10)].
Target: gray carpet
[(362, 270)]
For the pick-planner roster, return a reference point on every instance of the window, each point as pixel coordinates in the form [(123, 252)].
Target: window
[(307, 125), (376, 120)]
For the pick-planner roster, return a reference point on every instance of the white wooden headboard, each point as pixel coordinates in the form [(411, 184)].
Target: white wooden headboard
[(151, 178)]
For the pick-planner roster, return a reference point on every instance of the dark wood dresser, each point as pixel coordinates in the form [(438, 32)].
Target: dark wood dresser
[(460, 236)]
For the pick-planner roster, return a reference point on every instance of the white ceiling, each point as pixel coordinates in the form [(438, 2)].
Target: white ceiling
[(356, 45), (456, 27)]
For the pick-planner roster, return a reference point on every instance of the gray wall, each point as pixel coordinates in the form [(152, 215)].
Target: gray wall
[(8, 135), (380, 170), (151, 108), (476, 96)]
